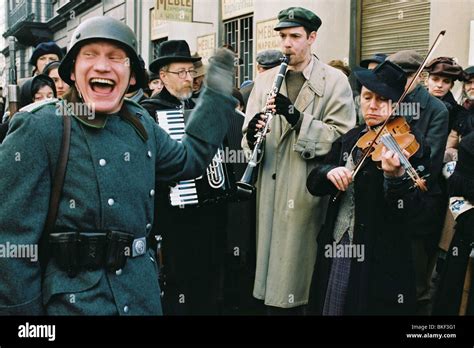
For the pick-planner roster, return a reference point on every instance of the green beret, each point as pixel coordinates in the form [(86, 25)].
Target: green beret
[(297, 17)]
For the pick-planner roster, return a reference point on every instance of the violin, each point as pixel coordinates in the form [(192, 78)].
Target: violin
[(395, 136), (398, 137)]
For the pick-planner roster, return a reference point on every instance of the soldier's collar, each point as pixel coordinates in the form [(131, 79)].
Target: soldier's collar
[(97, 121), (81, 112)]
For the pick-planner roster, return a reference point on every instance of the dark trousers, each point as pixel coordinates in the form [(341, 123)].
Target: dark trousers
[(193, 253), (295, 311), (425, 254)]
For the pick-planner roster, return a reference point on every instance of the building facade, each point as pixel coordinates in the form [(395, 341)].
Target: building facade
[(352, 29), (35, 21)]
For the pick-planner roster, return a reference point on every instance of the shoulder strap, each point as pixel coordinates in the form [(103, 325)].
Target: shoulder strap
[(60, 173), (56, 190), (126, 115)]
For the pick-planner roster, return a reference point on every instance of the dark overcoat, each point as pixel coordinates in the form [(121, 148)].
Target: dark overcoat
[(383, 283)]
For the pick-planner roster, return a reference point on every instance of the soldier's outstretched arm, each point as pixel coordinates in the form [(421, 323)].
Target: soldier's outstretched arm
[(207, 126), (25, 187)]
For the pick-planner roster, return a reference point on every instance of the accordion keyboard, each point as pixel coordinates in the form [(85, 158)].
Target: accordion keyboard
[(185, 192), (172, 122)]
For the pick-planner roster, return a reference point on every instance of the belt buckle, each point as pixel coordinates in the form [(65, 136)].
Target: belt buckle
[(139, 247)]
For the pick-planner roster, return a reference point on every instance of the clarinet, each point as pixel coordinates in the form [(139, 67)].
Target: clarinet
[(245, 187)]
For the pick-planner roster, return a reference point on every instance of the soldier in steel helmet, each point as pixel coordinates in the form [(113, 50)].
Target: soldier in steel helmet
[(98, 258)]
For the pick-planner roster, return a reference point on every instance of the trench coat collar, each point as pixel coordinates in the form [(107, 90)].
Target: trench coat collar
[(315, 76)]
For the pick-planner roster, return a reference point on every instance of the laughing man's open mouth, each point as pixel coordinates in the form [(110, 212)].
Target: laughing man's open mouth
[(102, 85)]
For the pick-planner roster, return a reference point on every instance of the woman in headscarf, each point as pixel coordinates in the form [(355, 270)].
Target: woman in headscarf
[(36, 89)]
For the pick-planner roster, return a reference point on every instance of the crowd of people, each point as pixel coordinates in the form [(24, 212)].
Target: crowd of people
[(337, 224)]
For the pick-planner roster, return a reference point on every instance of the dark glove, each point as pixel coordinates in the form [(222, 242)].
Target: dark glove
[(220, 74), (252, 130), (284, 107)]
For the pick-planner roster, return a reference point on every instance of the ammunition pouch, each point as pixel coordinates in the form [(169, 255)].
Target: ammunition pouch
[(76, 251)]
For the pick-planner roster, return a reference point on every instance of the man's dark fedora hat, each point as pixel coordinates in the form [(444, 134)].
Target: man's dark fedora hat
[(172, 51), (387, 79)]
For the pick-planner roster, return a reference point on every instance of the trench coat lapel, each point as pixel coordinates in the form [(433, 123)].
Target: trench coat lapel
[(314, 86), (285, 127)]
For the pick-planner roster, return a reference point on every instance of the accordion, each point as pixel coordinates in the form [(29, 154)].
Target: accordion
[(216, 184)]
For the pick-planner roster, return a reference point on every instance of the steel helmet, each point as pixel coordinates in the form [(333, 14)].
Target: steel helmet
[(103, 28)]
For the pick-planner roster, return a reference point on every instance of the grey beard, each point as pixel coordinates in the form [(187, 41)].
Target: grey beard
[(184, 96)]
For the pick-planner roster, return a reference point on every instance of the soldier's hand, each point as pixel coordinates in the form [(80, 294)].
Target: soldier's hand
[(341, 177), (220, 74)]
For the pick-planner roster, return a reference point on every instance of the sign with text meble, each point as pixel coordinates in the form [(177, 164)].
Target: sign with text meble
[(267, 38), (206, 45), (174, 10)]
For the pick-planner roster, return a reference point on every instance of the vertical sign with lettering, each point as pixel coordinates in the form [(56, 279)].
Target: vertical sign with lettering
[(206, 46), (267, 38), (158, 28)]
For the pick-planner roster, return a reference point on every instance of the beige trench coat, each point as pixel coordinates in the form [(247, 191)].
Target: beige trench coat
[(288, 216)]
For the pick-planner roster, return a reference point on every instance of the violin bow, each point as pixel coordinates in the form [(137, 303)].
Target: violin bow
[(405, 92)]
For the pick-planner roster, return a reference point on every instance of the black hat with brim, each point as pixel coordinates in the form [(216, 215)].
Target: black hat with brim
[(172, 51), (387, 80)]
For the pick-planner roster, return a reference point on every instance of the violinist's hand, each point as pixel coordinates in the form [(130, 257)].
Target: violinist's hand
[(391, 163), (341, 177)]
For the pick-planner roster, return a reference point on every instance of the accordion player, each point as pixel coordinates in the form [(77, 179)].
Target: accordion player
[(216, 184)]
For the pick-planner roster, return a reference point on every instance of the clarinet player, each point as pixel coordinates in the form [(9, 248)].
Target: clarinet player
[(314, 107)]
